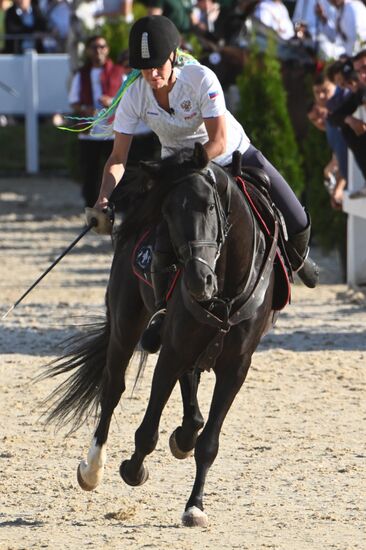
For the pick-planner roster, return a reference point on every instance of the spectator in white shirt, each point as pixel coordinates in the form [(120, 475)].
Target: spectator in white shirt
[(274, 14), (350, 26)]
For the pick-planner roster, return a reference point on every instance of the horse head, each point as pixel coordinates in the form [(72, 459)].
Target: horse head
[(196, 222)]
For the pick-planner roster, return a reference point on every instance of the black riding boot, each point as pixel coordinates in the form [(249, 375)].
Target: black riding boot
[(151, 337), (297, 248)]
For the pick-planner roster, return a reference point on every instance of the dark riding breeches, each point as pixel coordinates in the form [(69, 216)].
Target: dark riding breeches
[(280, 191)]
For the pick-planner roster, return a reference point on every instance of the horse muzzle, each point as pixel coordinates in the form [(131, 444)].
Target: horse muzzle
[(200, 279)]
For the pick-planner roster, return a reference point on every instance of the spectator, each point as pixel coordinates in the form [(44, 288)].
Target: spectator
[(93, 87), (349, 30), (206, 13), (328, 96), (334, 179), (274, 14), (58, 14), (359, 65), (178, 11), (82, 24), (24, 18), (112, 9), (305, 17), (344, 116), (335, 73)]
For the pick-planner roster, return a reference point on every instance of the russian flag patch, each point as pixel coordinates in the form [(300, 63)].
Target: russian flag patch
[(212, 95)]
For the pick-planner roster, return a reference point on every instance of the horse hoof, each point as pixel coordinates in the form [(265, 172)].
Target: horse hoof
[(175, 450), (83, 484), (194, 517), (134, 482)]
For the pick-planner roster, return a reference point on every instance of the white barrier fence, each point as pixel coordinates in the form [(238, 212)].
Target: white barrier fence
[(356, 225), (41, 83)]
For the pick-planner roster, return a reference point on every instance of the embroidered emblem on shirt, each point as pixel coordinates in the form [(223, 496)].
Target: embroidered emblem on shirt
[(212, 95), (145, 52), (186, 105)]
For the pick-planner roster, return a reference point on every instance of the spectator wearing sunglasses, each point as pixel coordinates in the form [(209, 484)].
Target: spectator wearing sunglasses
[(93, 88)]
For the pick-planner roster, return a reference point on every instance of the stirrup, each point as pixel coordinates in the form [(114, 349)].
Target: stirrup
[(309, 273), (151, 338)]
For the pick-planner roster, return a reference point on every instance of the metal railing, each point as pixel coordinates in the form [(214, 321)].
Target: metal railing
[(17, 39), (32, 85)]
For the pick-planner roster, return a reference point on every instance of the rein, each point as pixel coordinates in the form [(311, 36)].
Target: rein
[(185, 252)]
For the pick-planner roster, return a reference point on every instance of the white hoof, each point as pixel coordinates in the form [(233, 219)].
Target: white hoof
[(88, 479), (194, 517), (175, 450), (90, 471)]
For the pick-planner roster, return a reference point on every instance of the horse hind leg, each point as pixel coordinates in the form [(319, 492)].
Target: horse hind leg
[(183, 439), (90, 470), (228, 383)]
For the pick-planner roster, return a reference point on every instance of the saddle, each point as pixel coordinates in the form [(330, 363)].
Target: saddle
[(254, 184)]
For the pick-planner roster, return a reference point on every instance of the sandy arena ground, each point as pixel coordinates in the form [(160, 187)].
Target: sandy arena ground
[(291, 468)]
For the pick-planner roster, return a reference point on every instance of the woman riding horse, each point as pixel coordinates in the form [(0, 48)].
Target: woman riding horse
[(217, 313), (183, 103)]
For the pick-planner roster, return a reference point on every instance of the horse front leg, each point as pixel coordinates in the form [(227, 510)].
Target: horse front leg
[(228, 382), (183, 439), (90, 470), (166, 374)]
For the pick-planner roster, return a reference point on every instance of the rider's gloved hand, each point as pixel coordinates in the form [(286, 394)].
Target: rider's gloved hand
[(102, 220)]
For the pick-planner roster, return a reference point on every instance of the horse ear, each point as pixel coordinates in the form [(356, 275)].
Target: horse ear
[(200, 156), (151, 167)]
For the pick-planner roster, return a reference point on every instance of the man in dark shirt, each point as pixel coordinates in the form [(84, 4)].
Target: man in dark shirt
[(23, 18)]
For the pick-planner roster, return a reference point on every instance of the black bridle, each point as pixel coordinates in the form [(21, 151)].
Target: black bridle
[(186, 251)]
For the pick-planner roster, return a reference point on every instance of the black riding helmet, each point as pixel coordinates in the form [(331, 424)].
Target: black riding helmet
[(151, 41)]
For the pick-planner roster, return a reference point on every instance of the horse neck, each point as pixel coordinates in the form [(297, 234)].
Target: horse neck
[(235, 262)]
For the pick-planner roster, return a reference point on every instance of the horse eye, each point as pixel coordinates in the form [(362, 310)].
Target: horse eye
[(211, 208)]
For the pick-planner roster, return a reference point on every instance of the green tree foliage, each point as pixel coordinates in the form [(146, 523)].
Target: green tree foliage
[(116, 33), (329, 226), (264, 115)]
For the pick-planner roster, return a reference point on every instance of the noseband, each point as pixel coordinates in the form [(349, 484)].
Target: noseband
[(186, 252)]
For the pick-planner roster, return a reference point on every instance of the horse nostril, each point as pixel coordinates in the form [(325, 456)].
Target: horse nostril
[(209, 280)]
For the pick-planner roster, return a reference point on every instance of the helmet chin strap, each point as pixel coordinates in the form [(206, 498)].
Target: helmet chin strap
[(172, 61)]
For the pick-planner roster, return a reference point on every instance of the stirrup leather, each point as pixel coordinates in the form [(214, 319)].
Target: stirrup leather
[(159, 313)]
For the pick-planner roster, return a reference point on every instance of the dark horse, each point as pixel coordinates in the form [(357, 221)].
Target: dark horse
[(217, 313)]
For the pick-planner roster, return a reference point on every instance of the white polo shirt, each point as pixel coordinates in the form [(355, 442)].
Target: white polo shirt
[(195, 96)]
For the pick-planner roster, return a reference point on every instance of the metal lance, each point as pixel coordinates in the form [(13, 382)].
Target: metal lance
[(93, 223)]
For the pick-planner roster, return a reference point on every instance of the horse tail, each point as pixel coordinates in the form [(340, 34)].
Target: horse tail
[(143, 357), (78, 397)]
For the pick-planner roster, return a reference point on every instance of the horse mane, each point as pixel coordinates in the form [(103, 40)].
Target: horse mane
[(159, 179)]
